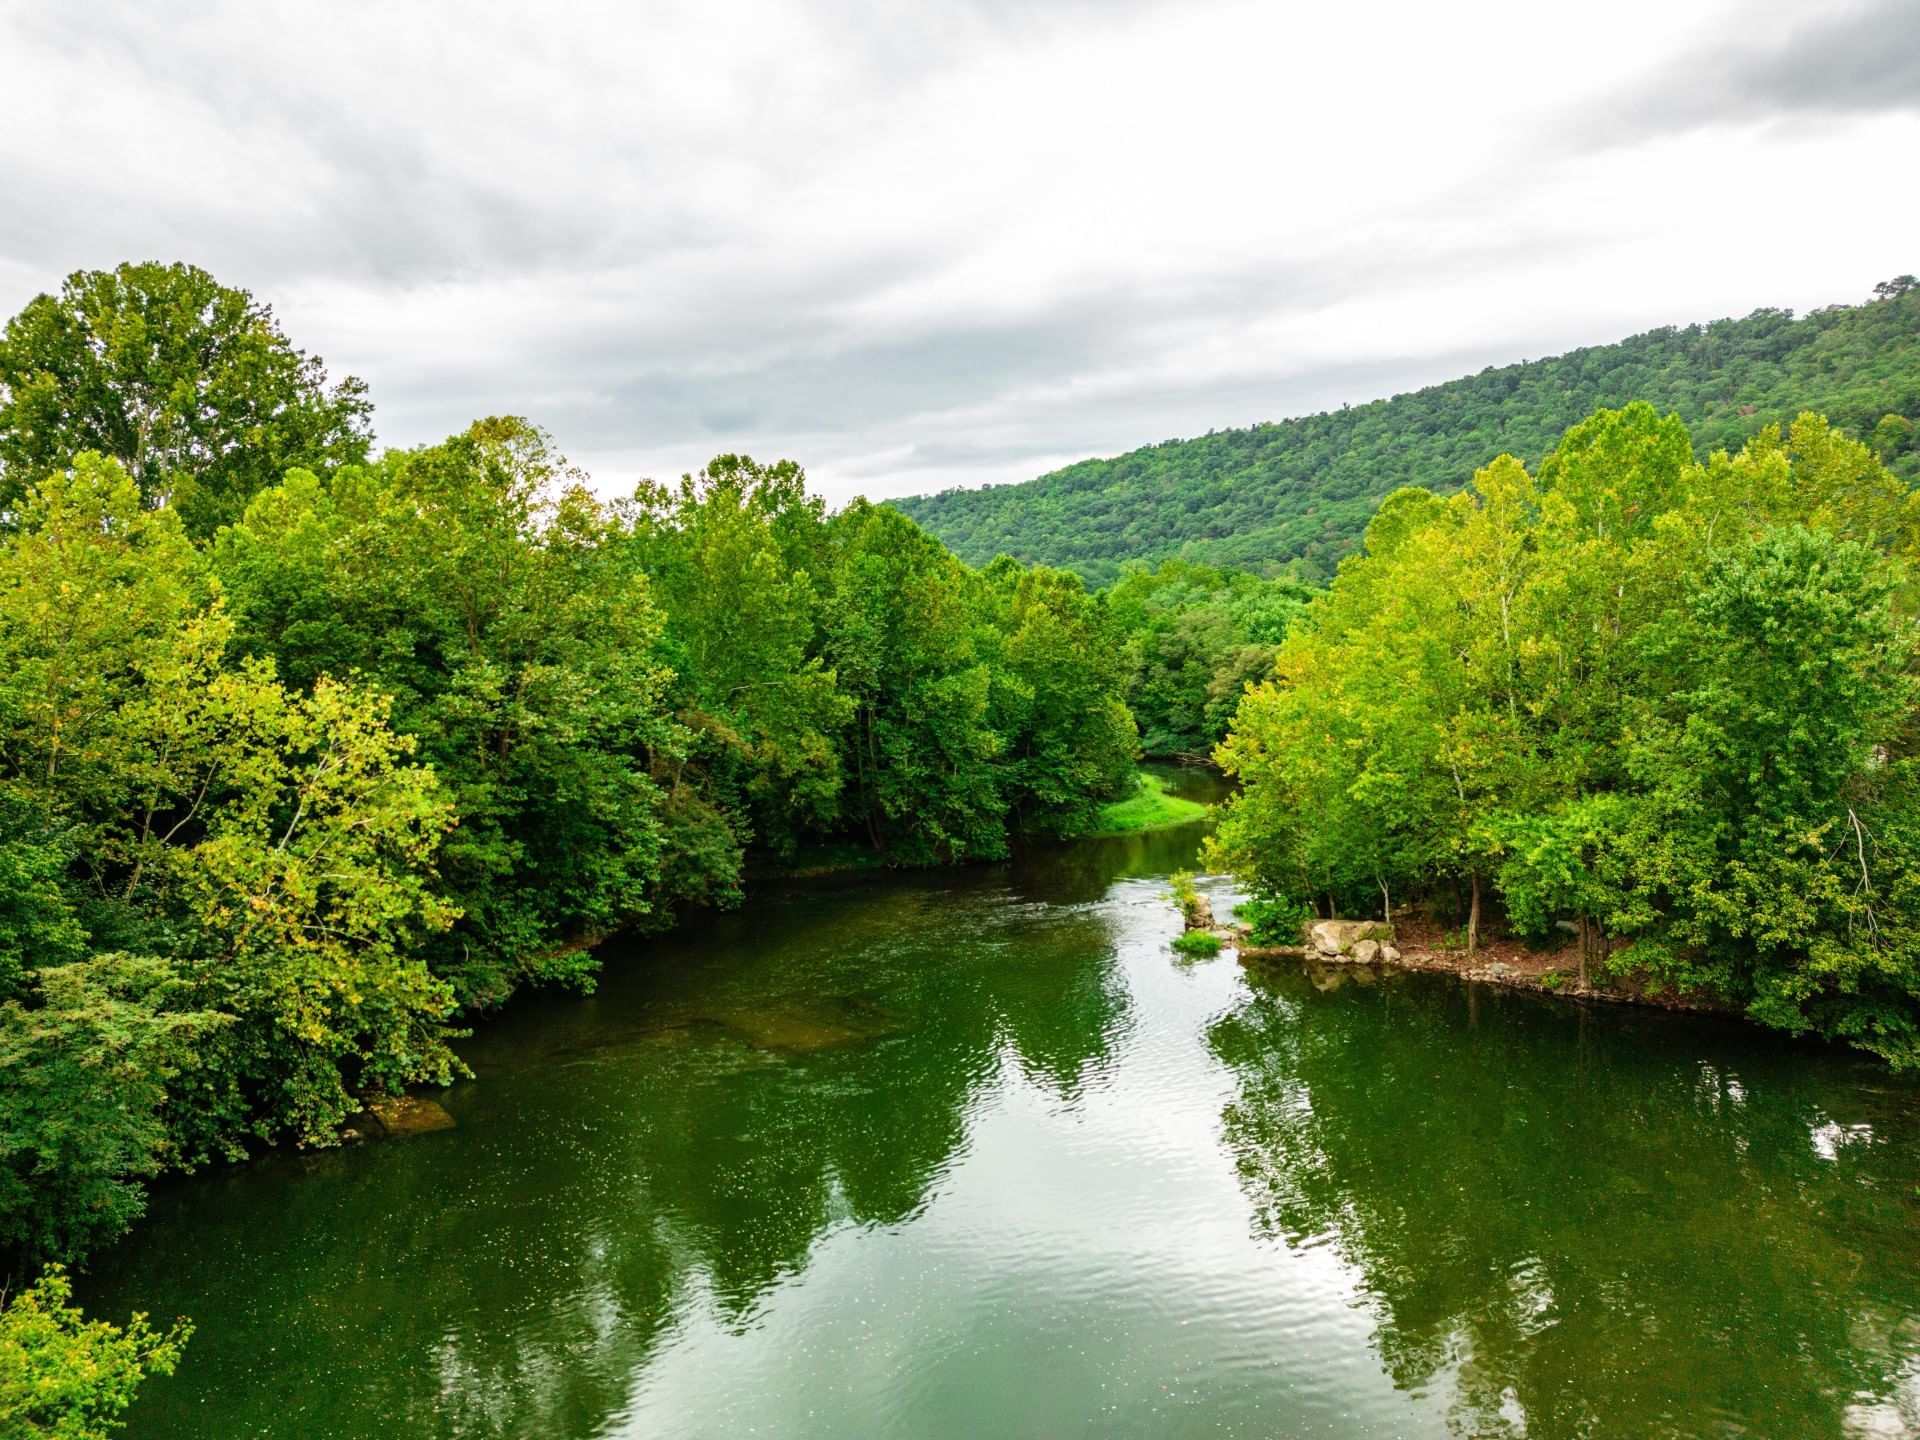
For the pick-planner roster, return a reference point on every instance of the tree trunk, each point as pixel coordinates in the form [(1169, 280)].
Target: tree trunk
[(1586, 931), (1473, 919)]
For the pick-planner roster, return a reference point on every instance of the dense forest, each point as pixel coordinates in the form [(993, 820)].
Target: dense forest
[(1293, 497), (1196, 637), (1666, 705), (305, 754)]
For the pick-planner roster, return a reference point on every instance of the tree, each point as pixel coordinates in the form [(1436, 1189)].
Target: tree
[(1774, 841), (484, 587), (277, 846), (189, 384), (88, 1057), (903, 635), (731, 554), (64, 1377), (1058, 678)]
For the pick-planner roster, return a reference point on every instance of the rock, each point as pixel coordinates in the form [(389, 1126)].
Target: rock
[(1499, 970), (1390, 955), (1365, 952), (1336, 938), (404, 1116), (1200, 914)]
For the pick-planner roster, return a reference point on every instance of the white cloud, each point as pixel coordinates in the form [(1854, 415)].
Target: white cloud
[(958, 242)]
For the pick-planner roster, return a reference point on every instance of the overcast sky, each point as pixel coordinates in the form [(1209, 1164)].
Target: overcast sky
[(956, 241)]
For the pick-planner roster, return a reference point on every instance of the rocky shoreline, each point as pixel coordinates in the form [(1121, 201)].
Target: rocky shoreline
[(1374, 944)]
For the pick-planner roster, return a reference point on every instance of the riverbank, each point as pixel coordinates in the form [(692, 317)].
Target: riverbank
[(1502, 962), (1155, 804), (1152, 806)]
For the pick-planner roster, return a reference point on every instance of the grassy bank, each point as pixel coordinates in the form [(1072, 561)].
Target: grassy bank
[(1150, 807)]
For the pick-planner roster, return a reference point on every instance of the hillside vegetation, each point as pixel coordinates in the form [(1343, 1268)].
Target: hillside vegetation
[(1295, 496)]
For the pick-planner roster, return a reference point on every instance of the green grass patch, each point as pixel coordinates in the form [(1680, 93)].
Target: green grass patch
[(1197, 942), (1150, 807)]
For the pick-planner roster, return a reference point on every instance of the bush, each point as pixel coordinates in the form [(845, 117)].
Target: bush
[(1272, 921), (64, 1375), (1197, 943)]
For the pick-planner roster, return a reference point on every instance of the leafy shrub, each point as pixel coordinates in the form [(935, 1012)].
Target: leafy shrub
[(66, 1376), (1273, 921)]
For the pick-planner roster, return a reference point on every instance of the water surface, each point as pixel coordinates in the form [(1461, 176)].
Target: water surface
[(973, 1154)]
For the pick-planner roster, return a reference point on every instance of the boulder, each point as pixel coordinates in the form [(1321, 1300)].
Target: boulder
[(1365, 952), (1390, 955), (1336, 939), (1200, 913), (404, 1116)]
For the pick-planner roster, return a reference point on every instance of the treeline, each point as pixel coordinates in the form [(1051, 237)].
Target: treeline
[(1196, 637), (1667, 704), (1295, 496), (303, 752)]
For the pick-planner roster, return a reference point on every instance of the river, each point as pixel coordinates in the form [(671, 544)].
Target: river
[(973, 1154)]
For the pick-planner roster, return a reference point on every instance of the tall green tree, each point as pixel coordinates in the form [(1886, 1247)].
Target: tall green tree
[(275, 846), (903, 635), (732, 555), (484, 587), (191, 385)]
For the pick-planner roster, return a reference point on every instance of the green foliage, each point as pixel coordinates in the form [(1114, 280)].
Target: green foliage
[(1296, 496), (1658, 700), (190, 385), (1274, 921), (64, 1377), (1197, 943), (275, 847), (985, 705), (733, 555), (1196, 638), (483, 587), (88, 1055)]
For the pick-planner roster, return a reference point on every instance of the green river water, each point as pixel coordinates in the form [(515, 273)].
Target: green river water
[(973, 1154)]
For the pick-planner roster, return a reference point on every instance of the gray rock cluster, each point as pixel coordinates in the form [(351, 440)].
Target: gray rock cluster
[(1364, 942)]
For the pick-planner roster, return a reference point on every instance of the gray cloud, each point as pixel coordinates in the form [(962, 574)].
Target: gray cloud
[(957, 242), (1778, 65)]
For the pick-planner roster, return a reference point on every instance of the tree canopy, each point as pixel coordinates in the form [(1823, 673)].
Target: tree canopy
[(189, 384), (1666, 702)]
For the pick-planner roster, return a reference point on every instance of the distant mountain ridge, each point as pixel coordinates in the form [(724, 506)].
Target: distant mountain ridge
[(1295, 495)]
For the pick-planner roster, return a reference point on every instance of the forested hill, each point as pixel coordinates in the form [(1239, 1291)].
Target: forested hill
[(1297, 494)]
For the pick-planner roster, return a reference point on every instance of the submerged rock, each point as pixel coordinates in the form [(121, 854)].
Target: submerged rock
[(794, 1033), (817, 1025)]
